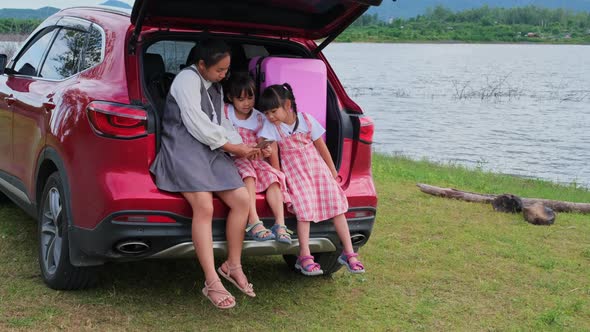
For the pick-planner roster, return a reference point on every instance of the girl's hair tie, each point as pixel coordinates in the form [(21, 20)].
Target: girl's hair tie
[(285, 87)]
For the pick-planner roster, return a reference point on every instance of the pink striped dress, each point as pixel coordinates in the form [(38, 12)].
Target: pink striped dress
[(315, 194), (262, 172)]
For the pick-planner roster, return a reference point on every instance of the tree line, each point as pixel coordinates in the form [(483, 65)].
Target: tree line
[(18, 26), (485, 24)]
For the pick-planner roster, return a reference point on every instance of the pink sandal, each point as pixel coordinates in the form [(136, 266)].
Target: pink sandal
[(308, 269), (356, 267)]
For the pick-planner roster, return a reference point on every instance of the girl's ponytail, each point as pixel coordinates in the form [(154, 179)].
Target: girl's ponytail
[(290, 96)]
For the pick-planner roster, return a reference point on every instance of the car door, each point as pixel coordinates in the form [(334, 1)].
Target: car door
[(15, 88), (36, 96), (5, 125)]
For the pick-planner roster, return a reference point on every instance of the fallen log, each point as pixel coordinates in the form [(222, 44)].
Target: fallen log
[(558, 206), (538, 214)]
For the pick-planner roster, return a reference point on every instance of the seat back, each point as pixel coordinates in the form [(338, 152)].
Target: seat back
[(157, 80)]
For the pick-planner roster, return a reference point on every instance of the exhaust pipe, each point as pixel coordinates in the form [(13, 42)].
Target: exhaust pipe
[(132, 247), (358, 239)]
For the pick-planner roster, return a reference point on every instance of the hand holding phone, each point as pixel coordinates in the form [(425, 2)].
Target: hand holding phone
[(263, 144)]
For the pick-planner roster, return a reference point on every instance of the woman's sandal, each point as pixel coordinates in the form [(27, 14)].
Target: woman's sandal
[(281, 237), (259, 236), (344, 258), (207, 290), (248, 290), (308, 269)]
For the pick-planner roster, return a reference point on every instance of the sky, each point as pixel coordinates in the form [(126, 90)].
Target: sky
[(34, 4)]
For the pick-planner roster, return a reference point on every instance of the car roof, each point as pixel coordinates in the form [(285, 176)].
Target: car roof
[(108, 9)]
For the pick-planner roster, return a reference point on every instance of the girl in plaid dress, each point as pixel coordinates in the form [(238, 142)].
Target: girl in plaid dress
[(310, 172), (258, 175)]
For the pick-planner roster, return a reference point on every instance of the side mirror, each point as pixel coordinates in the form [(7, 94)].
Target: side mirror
[(3, 61)]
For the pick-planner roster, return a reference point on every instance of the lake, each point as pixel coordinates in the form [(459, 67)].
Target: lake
[(517, 109), (510, 108)]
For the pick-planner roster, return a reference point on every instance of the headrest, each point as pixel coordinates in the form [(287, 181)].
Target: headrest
[(153, 64)]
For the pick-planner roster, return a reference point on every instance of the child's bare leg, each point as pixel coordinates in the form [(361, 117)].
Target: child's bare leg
[(250, 183), (344, 234), (303, 228), (274, 197)]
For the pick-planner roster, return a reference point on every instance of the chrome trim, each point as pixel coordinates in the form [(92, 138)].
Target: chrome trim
[(130, 116), (250, 248), (15, 191)]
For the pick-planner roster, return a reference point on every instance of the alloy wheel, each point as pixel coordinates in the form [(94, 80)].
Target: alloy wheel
[(51, 234)]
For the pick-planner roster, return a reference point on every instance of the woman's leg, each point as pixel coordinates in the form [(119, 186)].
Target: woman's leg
[(202, 206), (238, 202), (253, 217), (344, 235), (303, 228)]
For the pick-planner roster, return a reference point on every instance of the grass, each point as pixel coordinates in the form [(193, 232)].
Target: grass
[(433, 264)]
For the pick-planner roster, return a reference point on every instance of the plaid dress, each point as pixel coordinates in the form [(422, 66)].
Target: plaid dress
[(262, 172), (315, 194)]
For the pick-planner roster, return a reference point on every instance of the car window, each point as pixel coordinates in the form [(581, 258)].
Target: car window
[(63, 58), (28, 62), (174, 53), (93, 53)]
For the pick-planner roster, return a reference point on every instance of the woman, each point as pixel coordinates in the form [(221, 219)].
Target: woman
[(193, 160)]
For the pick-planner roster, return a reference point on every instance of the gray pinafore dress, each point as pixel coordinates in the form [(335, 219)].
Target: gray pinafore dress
[(183, 163)]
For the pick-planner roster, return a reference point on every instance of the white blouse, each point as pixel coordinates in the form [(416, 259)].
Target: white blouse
[(186, 89), (250, 123)]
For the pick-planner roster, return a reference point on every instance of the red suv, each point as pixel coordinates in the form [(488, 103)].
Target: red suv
[(80, 107)]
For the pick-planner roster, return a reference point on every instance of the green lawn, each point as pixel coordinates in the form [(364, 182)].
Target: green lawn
[(433, 264)]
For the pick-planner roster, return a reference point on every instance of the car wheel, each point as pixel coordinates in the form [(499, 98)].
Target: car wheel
[(54, 258), (3, 198), (327, 260)]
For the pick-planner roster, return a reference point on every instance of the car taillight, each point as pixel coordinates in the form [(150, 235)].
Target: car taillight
[(143, 218), (367, 130), (117, 120), (359, 214)]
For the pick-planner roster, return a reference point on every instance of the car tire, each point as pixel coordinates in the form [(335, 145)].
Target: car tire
[(327, 260), (54, 257), (3, 198)]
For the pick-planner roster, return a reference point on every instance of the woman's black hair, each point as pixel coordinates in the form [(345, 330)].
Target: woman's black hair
[(239, 82), (211, 51), (275, 96)]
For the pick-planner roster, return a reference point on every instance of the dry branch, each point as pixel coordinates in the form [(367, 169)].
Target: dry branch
[(558, 206)]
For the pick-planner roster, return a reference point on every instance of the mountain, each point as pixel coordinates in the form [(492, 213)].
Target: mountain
[(40, 13), (412, 8), (43, 13), (115, 3)]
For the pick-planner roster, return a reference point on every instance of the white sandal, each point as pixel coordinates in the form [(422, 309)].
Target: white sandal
[(227, 296), (248, 290)]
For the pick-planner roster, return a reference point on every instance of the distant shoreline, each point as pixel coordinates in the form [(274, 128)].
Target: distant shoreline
[(23, 37), (458, 42)]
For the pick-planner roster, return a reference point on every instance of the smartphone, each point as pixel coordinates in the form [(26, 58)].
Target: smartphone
[(263, 144)]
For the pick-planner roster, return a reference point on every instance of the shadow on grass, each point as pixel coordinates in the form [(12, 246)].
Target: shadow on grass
[(140, 278)]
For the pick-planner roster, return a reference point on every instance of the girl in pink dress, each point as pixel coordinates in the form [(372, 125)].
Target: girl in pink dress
[(310, 173), (258, 175)]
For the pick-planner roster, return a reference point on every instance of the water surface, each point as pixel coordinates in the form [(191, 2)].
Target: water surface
[(515, 109)]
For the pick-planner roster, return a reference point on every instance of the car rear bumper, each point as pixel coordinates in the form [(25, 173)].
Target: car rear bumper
[(111, 240)]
